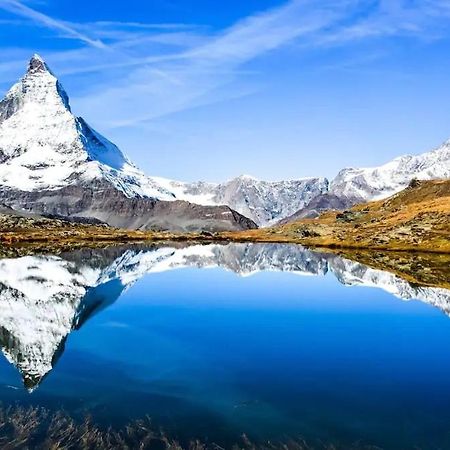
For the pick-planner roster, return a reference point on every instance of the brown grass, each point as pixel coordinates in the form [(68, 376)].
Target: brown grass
[(36, 428)]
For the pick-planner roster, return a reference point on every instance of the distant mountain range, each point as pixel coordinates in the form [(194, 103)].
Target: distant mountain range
[(52, 162), (270, 202), (44, 298)]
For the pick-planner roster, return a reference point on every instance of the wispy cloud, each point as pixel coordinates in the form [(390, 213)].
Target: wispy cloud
[(152, 70), (20, 9), (425, 20), (190, 78)]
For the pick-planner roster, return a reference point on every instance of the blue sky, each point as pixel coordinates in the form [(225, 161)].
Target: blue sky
[(277, 89)]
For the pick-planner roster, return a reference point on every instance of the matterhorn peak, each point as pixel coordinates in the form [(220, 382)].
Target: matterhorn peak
[(44, 146)]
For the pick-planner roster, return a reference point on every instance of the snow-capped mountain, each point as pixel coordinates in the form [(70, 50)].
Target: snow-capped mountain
[(44, 298), (353, 186), (44, 146), (52, 162), (265, 202), (268, 203), (388, 179)]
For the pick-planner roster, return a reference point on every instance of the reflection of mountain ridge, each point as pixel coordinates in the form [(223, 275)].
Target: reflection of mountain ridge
[(44, 298), (352, 273)]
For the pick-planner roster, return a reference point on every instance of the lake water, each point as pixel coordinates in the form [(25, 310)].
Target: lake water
[(214, 341)]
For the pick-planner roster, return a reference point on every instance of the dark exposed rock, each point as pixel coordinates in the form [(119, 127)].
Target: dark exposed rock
[(306, 233), (349, 216), (37, 64), (102, 202), (318, 205), (414, 183)]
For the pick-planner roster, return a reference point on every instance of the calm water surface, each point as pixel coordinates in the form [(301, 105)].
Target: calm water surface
[(219, 340)]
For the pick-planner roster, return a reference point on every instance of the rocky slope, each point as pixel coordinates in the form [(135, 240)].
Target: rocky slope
[(265, 202), (102, 201), (44, 298), (53, 162)]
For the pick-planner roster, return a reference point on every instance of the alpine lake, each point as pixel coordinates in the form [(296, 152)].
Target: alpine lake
[(222, 345)]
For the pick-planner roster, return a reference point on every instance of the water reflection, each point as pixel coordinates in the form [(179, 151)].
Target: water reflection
[(43, 298)]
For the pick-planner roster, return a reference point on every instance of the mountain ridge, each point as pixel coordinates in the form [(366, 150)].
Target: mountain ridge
[(414, 219), (64, 153)]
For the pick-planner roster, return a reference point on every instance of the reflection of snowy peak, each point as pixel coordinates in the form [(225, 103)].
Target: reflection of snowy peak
[(39, 297), (246, 259), (44, 298)]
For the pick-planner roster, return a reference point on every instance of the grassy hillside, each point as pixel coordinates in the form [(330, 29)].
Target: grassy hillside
[(417, 218)]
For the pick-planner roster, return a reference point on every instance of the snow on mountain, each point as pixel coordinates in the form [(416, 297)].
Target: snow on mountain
[(265, 202), (44, 146), (269, 202), (388, 179)]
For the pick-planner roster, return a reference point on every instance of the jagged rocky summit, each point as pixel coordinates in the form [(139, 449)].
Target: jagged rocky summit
[(52, 162)]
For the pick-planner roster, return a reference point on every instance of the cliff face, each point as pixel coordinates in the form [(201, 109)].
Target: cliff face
[(101, 201)]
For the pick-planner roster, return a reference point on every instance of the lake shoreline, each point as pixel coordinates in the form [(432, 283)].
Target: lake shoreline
[(113, 236), (424, 266)]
